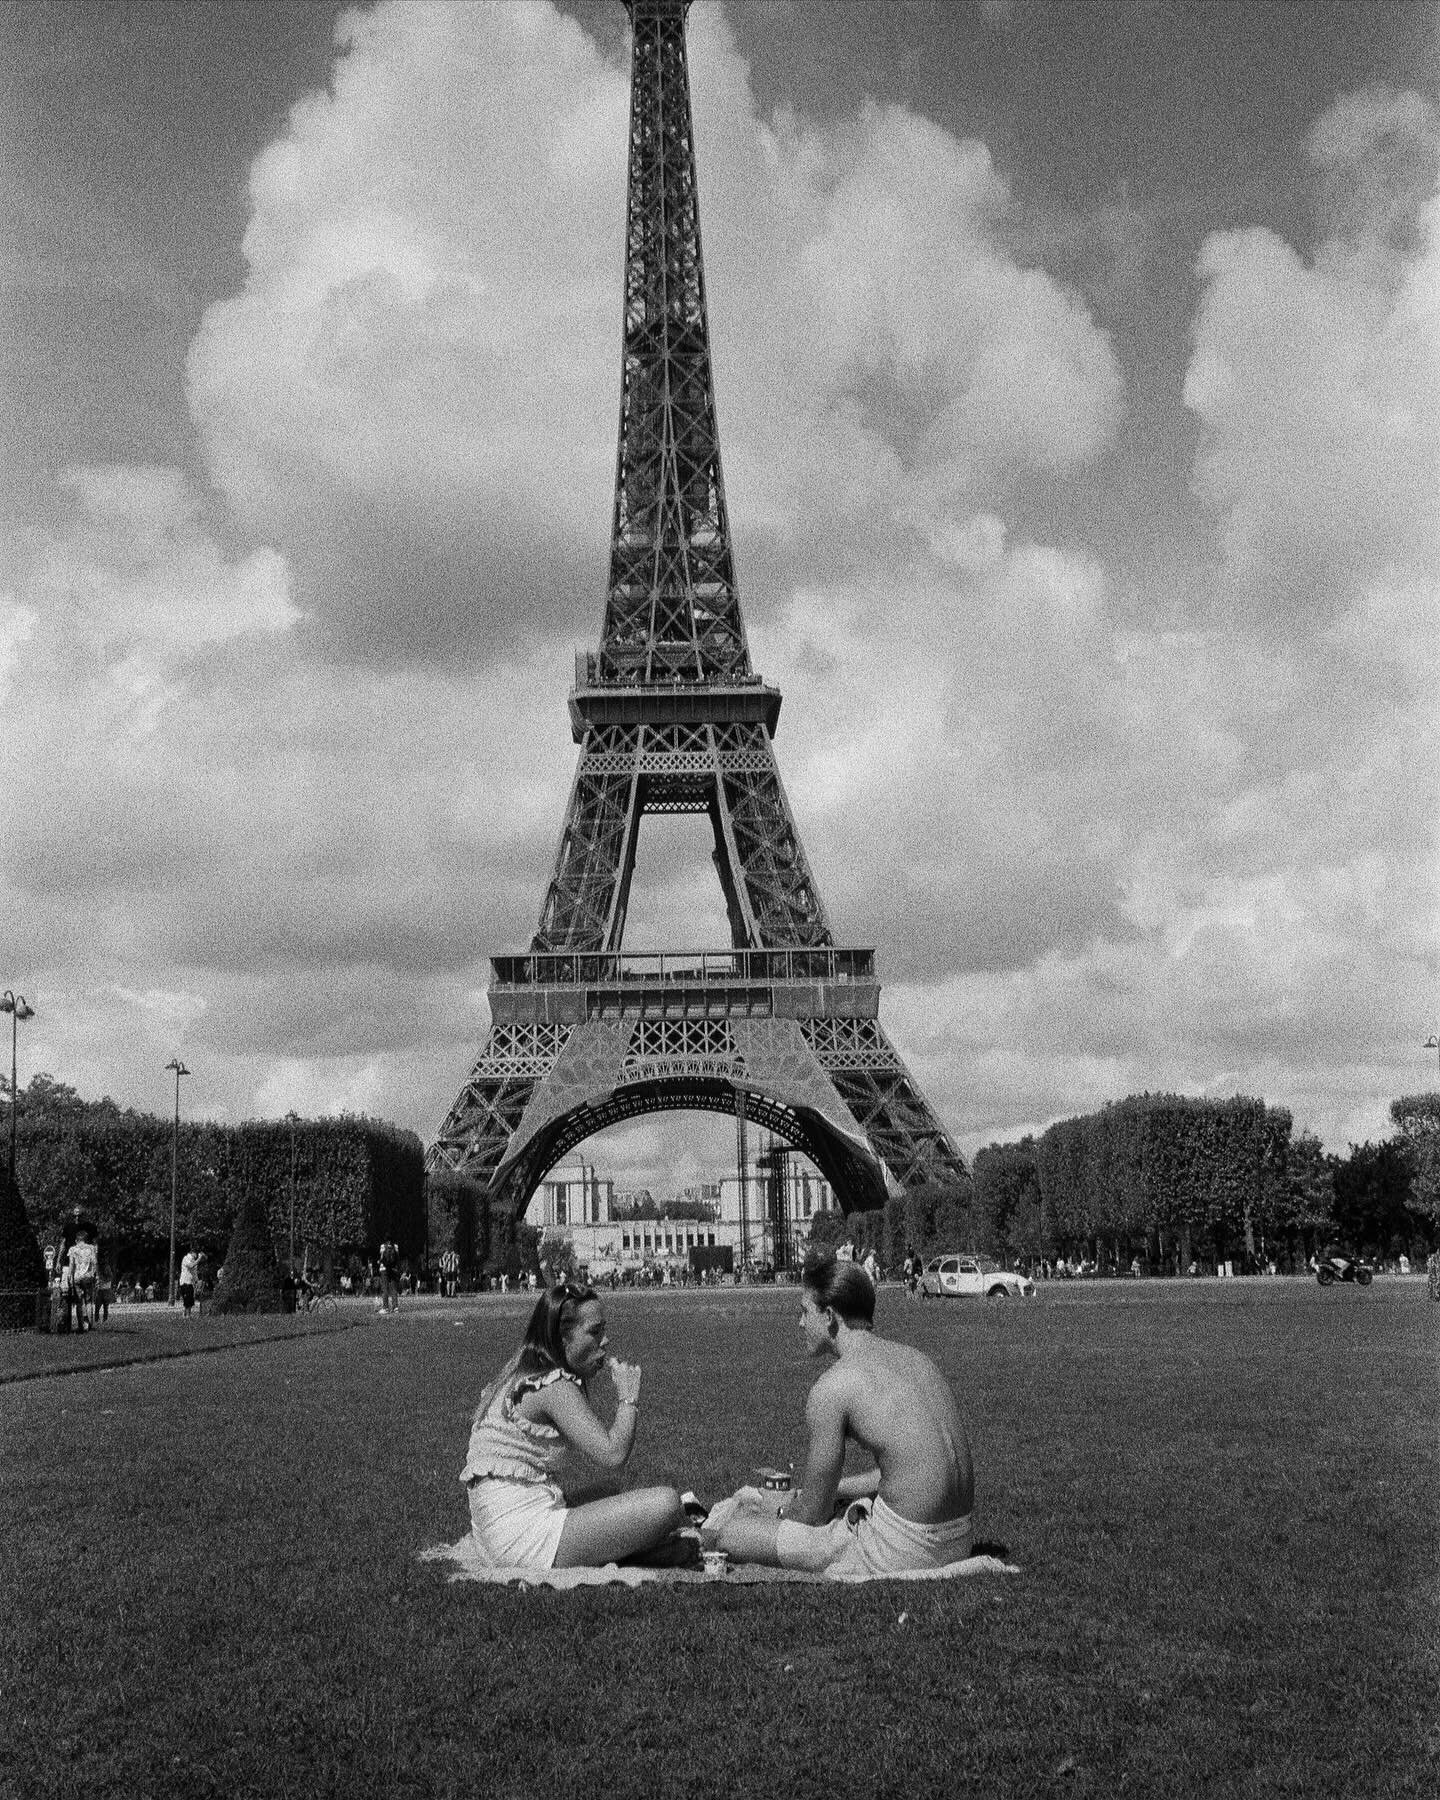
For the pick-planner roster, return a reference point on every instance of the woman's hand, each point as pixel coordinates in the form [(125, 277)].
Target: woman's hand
[(626, 1377)]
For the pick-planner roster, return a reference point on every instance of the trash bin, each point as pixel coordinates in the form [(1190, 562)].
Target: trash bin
[(288, 1290)]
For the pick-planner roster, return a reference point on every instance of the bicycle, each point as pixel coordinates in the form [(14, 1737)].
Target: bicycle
[(316, 1300)]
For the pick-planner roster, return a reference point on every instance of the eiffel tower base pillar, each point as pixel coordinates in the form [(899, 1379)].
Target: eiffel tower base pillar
[(823, 1078)]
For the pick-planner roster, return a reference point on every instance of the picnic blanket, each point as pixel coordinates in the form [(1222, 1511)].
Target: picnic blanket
[(467, 1564)]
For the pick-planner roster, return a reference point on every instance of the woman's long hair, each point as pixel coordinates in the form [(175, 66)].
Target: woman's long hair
[(543, 1346)]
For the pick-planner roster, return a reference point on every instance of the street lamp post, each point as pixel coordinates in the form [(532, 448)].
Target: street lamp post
[(293, 1119), (180, 1069), (1431, 1043), (18, 1008)]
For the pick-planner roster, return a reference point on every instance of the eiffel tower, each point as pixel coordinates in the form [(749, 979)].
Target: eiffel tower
[(782, 1028)]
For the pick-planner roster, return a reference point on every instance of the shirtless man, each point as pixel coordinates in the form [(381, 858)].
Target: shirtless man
[(895, 1404)]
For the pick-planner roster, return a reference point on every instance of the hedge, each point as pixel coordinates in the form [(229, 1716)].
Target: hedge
[(357, 1182)]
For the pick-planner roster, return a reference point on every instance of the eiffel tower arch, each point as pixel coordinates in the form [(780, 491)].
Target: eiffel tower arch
[(783, 1025)]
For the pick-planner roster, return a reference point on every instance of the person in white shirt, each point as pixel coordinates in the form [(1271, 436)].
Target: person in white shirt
[(189, 1279), (83, 1262)]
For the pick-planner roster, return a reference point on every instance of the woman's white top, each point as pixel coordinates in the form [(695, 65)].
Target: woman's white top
[(508, 1446)]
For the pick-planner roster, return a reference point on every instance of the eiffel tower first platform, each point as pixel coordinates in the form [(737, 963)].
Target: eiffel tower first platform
[(783, 1027)]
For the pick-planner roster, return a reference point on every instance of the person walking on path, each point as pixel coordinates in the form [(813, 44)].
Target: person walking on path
[(83, 1261), (189, 1280), (389, 1278)]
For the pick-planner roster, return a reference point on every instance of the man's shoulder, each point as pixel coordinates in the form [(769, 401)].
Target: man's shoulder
[(831, 1386), (894, 1369), (840, 1387)]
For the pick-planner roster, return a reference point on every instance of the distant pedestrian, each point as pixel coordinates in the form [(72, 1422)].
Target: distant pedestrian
[(189, 1280), (389, 1278), (83, 1261)]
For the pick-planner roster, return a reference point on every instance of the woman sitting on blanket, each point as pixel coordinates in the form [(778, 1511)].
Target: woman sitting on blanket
[(535, 1438), (894, 1403)]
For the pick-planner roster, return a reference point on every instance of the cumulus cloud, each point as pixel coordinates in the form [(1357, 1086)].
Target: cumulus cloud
[(1317, 385), (192, 794), (415, 393)]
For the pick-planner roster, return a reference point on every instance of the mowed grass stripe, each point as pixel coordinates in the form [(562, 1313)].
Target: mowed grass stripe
[(1223, 1507)]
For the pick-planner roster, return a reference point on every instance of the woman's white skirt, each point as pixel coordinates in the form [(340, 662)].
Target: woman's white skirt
[(516, 1524)]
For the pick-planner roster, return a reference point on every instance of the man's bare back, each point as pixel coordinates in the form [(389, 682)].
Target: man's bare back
[(891, 1400)]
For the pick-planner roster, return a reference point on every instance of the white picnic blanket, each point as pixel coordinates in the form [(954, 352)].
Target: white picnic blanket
[(466, 1564)]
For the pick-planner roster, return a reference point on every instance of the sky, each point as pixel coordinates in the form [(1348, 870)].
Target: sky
[(1078, 374)]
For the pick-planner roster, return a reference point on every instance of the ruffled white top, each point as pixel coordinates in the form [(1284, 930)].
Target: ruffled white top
[(504, 1444)]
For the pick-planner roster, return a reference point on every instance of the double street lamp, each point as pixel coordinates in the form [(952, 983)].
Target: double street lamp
[(180, 1069), (18, 1008)]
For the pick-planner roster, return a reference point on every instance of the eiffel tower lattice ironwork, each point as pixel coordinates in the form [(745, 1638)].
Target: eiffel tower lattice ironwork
[(670, 717)]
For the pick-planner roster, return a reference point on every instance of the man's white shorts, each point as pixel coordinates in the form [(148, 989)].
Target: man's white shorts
[(863, 1543)]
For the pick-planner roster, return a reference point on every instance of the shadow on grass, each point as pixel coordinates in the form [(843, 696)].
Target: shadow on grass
[(34, 1356)]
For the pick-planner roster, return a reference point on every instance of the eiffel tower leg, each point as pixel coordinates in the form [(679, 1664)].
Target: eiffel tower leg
[(585, 904), (516, 1060), (755, 830), (885, 1101)]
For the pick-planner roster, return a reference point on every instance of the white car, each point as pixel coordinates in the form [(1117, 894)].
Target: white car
[(973, 1277)]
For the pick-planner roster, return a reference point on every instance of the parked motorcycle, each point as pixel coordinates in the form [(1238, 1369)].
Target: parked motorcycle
[(1344, 1268)]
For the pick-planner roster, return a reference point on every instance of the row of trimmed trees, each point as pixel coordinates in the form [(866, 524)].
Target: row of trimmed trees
[(1174, 1180), (353, 1182)]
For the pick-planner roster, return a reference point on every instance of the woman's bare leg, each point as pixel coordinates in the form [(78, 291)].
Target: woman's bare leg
[(602, 1531)]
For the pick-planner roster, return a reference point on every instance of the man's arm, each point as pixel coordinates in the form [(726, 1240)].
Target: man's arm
[(826, 1417), (859, 1487)]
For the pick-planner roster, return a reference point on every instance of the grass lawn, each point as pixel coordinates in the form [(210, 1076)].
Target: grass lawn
[(1223, 1497), (153, 1332)]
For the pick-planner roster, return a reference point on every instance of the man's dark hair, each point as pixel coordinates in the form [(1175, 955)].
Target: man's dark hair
[(842, 1285)]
